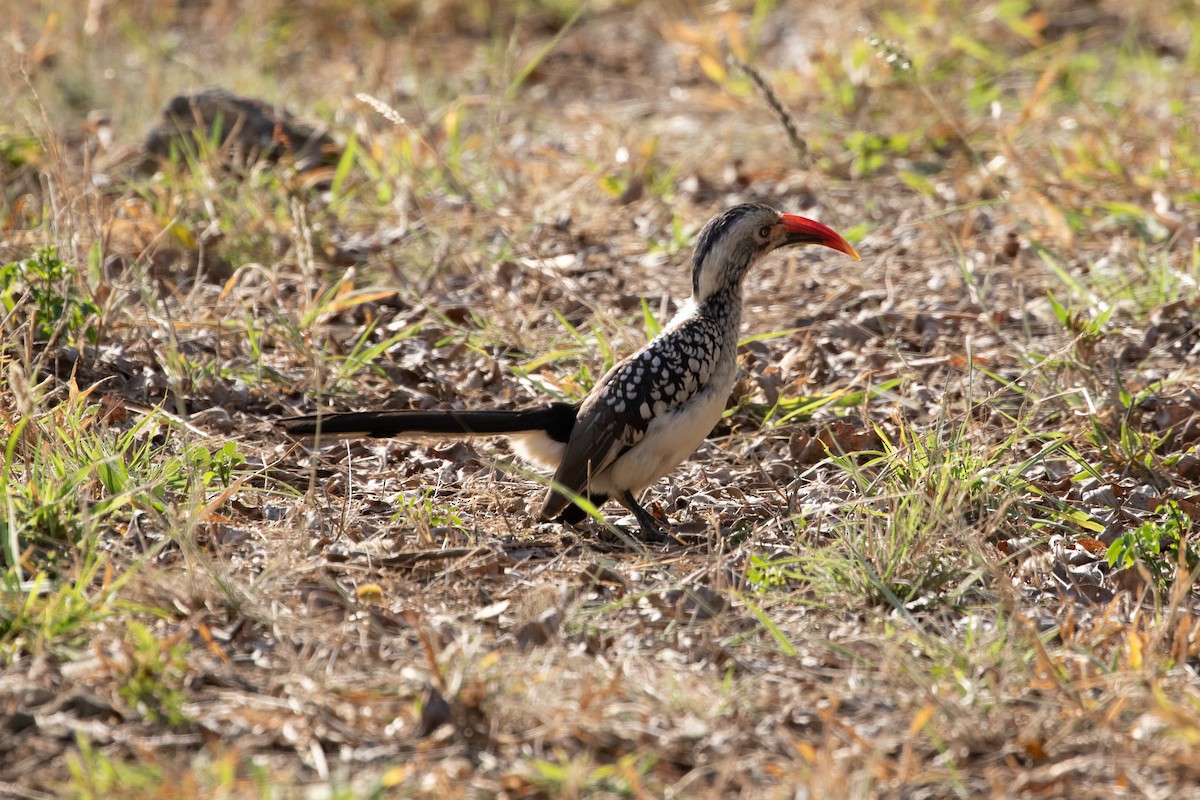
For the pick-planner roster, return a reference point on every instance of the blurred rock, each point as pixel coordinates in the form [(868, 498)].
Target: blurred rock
[(248, 130)]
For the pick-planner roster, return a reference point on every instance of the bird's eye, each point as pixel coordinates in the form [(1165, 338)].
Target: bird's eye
[(764, 232)]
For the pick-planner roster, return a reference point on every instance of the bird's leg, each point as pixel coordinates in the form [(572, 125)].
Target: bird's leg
[(652, 528)]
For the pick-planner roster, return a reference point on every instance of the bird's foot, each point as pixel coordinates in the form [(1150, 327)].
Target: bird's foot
[(655, 534), (651, 529)]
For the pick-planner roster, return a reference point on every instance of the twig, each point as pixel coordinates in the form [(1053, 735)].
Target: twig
[(785, 116)]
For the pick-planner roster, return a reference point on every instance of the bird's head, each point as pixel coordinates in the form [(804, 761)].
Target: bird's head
[(733, 240)]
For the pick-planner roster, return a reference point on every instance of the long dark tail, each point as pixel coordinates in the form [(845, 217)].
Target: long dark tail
[(556, 419)]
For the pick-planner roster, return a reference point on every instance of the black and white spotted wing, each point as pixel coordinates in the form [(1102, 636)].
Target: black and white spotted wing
[(648, 385)]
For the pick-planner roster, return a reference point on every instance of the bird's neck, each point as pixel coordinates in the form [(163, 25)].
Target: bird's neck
[(723, 306)]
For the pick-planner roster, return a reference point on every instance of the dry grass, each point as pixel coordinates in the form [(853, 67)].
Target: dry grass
[(903, 579)]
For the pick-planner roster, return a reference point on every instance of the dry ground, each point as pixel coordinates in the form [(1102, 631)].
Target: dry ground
[(944, 543)]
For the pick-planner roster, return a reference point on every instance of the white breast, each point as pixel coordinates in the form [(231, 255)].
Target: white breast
[(669, 439)]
